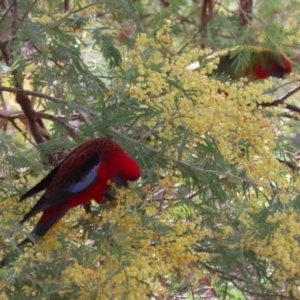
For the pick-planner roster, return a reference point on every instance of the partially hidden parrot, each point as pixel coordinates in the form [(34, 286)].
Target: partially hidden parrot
[(259, 63), (84, 175)]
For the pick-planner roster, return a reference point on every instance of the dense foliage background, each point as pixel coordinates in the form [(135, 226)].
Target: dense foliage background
[(216, 214)]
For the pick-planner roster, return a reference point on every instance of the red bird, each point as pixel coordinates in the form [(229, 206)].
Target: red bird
[(259, 63), (85, 174)]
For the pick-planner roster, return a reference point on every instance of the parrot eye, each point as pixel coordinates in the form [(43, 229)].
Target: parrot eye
[(281, 71), (122, 174)]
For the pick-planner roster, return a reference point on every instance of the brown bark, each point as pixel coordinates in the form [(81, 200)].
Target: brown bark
[(21, 97), (245, 11), (207, 13), (67, 5)]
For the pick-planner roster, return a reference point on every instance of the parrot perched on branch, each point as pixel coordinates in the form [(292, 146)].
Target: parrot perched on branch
[(85, 174), (253, 64)]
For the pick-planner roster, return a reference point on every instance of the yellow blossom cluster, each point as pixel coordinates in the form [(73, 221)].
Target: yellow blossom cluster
[(197, 104), (227, 112), (136, 250), (149, 240), (51, 17), (292, 32), (279, 248)]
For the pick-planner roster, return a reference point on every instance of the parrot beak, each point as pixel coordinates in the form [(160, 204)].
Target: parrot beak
[(131, 184), (193, 66)]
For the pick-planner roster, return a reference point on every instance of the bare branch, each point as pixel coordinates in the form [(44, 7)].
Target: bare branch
[(29, 112), (21, 131), (67, 5), (291, 116), (31, 93), (281, 100), (12, 115), (290, 93), (231, 278), (207, 12), (245, 11)]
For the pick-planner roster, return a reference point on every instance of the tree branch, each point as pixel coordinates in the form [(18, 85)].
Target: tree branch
[(231, 278), (30, 114), (31, 93), (21, 97), (21, 131), (70, 130), (12, 115), (282, 99), (67, 5), (245, 11)]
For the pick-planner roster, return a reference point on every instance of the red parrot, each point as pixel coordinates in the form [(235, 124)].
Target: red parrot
[(259, 63), (85, 174)]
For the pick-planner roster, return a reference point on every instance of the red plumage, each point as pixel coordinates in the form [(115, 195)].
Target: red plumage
[(278, 69), (85, 174), (287, 63), (258, 63)]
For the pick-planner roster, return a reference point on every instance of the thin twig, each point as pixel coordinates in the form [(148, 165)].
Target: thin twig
[(290, 116), (48, 57), (281, 86), (28, 11), (232, 279), (281, 100), (5, 14), (290, 107), (70, 130), (39, 114), (245, 11), (290, 93), (21, 131), (292, 166)]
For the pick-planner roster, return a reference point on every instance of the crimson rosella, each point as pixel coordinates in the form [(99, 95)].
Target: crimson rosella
[(259, 63), (85, 174)]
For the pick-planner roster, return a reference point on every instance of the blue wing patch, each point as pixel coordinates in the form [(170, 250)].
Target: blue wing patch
[(90, 178)]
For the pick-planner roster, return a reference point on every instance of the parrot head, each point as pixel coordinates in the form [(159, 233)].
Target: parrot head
[(281, 68), (127, 170)]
